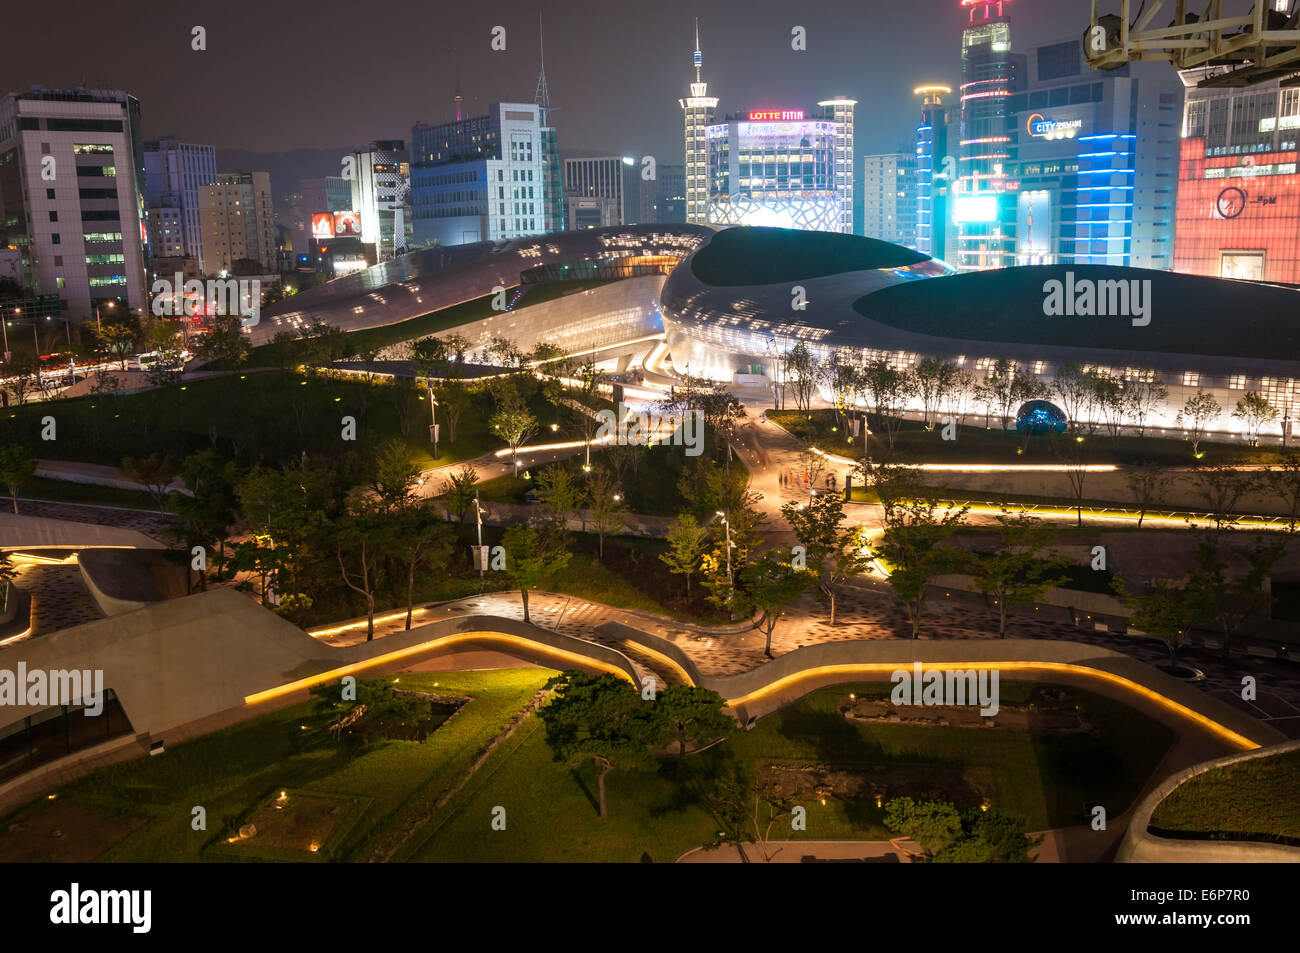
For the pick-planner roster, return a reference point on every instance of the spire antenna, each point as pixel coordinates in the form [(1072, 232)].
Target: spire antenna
[(543, 95)]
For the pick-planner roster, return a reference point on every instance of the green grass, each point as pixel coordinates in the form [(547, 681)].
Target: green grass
[(1254, 799), (552, 815), (231, 772), (268, 416), (976, 444)]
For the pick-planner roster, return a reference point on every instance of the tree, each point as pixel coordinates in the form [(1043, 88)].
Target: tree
[(1234, 598), (288, 512), (226, 341), (117, 339), (602, 719), (1221, 489), (1073, 387), (768, 585), (513, 423), (833, 551), (604, 501), (17, 466), (934, 378), (459, 490), (916, 524), (1109, 399), (975, 835), (1197, 414), (1017, 570), (453, 398), (154, 472), (686, 543), (693, 715), (727, 796), (530, 558), (209, 510), (283, 350), (1254, 411), (363, 536), (421, 539), (1144, 395), (1166, 611), (800, 370), (396, 473), (994, 390), (1074, 456), (561, 496), (887, 390), (1284, 481), (1147, 483)]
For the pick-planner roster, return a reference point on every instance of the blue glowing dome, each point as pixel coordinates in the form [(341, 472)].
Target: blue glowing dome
[(1040, 417)]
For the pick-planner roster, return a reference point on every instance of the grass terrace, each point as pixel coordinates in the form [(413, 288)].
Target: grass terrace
[(1253, 800)]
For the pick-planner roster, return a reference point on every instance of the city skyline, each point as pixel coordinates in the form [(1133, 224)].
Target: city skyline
[(645, 67)]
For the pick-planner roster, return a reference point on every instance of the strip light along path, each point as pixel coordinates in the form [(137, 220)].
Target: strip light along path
[(785, 680)]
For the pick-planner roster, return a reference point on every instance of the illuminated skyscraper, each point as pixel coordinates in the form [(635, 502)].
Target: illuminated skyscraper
[(990, 72), (698, 109), (933, 172)]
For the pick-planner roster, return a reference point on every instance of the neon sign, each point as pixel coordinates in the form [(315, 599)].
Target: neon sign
[(1038, 125), (776, 115)]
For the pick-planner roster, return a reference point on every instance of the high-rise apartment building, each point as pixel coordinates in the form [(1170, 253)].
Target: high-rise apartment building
[(72, 195), (486, 178), (174, 174), (889, 205), (238, 222)]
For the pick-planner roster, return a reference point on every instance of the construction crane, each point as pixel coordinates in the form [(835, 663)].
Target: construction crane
[(1256, 46)]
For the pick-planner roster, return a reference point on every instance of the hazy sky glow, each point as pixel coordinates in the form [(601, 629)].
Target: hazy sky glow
[(283, 75)]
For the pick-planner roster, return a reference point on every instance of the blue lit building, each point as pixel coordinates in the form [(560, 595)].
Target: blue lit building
[(933, 173), (1093, 167)]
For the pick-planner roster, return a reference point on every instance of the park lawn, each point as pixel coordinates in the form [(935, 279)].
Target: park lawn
[(1257, 798), (231, 771), (268, 416), (551, 812), (977, 444)]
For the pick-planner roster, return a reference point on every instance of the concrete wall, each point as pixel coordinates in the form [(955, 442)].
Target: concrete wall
[(1141, 846)]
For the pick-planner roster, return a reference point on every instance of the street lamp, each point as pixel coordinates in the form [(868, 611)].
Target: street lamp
[(727, 525), (107, 304), (433, 425)]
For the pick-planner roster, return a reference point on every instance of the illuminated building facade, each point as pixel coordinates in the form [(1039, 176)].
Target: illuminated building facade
[(889, 203), (594, 192), (1094, 179), (698, 111), (487, 178), (81, 236), (777, 168), (1239, 191), (984, 212), (933, 173)]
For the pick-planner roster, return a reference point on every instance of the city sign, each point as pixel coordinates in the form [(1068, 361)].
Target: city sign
[(1043, 127), (776, 115)]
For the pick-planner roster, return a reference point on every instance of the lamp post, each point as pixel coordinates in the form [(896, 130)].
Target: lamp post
[(726, 523), (433, 425), (4, 325)]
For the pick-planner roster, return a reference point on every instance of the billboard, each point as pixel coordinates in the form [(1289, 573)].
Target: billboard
[(347, 224), (972, 209), (1238, 217), (1033, 227), (322, 225)]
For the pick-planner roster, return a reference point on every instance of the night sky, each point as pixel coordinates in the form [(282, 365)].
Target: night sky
[(280, 76)]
